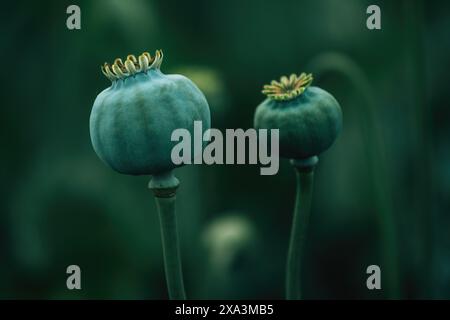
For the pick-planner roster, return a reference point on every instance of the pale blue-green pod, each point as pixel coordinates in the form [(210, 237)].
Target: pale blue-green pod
[(132, 121)]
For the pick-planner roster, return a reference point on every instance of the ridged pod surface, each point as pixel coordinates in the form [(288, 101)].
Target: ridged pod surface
[(308, 118), (132, 121)]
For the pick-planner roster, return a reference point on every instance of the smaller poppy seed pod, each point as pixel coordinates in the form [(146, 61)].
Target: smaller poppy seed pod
[(132, 121), (309, 118)]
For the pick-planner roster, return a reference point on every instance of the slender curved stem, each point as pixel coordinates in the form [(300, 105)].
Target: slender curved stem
[(333, 62), (164, 187), (305, 177)]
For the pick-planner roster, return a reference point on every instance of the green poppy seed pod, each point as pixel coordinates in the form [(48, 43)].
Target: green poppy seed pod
[(132, 121), (309, 118)]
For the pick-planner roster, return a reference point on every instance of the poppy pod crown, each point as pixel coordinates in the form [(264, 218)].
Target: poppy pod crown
[(132, 65), (288, 87)]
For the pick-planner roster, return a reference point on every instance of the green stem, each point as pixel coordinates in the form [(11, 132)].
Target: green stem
[(305, 174), (164, 187), (375, 149)]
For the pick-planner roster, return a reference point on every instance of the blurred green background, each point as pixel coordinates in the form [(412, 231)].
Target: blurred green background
[(60, 205)]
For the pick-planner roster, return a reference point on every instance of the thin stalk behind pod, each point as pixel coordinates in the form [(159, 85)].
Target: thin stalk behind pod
[(309, 120), (340, 64)]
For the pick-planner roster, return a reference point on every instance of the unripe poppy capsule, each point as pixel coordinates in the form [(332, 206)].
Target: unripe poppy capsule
[(132, 121), (309, 118)]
